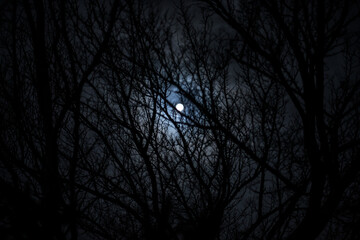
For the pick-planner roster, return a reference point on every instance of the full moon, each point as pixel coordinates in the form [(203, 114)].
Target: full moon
[(179, 107)]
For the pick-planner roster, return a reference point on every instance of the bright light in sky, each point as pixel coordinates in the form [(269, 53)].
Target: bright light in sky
[(179, 107)]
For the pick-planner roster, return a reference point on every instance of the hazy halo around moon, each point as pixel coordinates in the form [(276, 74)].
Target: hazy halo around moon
[(179, 107)]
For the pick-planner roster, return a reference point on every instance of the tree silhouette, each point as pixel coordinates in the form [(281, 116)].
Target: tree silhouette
[(93, 147), (290, 46), (49, 51)]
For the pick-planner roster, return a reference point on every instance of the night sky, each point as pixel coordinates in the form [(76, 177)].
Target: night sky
[(179, 120)]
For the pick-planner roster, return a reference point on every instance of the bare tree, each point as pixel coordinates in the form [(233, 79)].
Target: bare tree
[(93, 145), (48, 53), (159, 172), (304, 107)]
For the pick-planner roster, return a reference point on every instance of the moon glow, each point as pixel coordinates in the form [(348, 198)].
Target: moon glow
[(179, 107)]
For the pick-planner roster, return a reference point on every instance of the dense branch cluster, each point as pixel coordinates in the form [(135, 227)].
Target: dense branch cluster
[(92, 145)]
